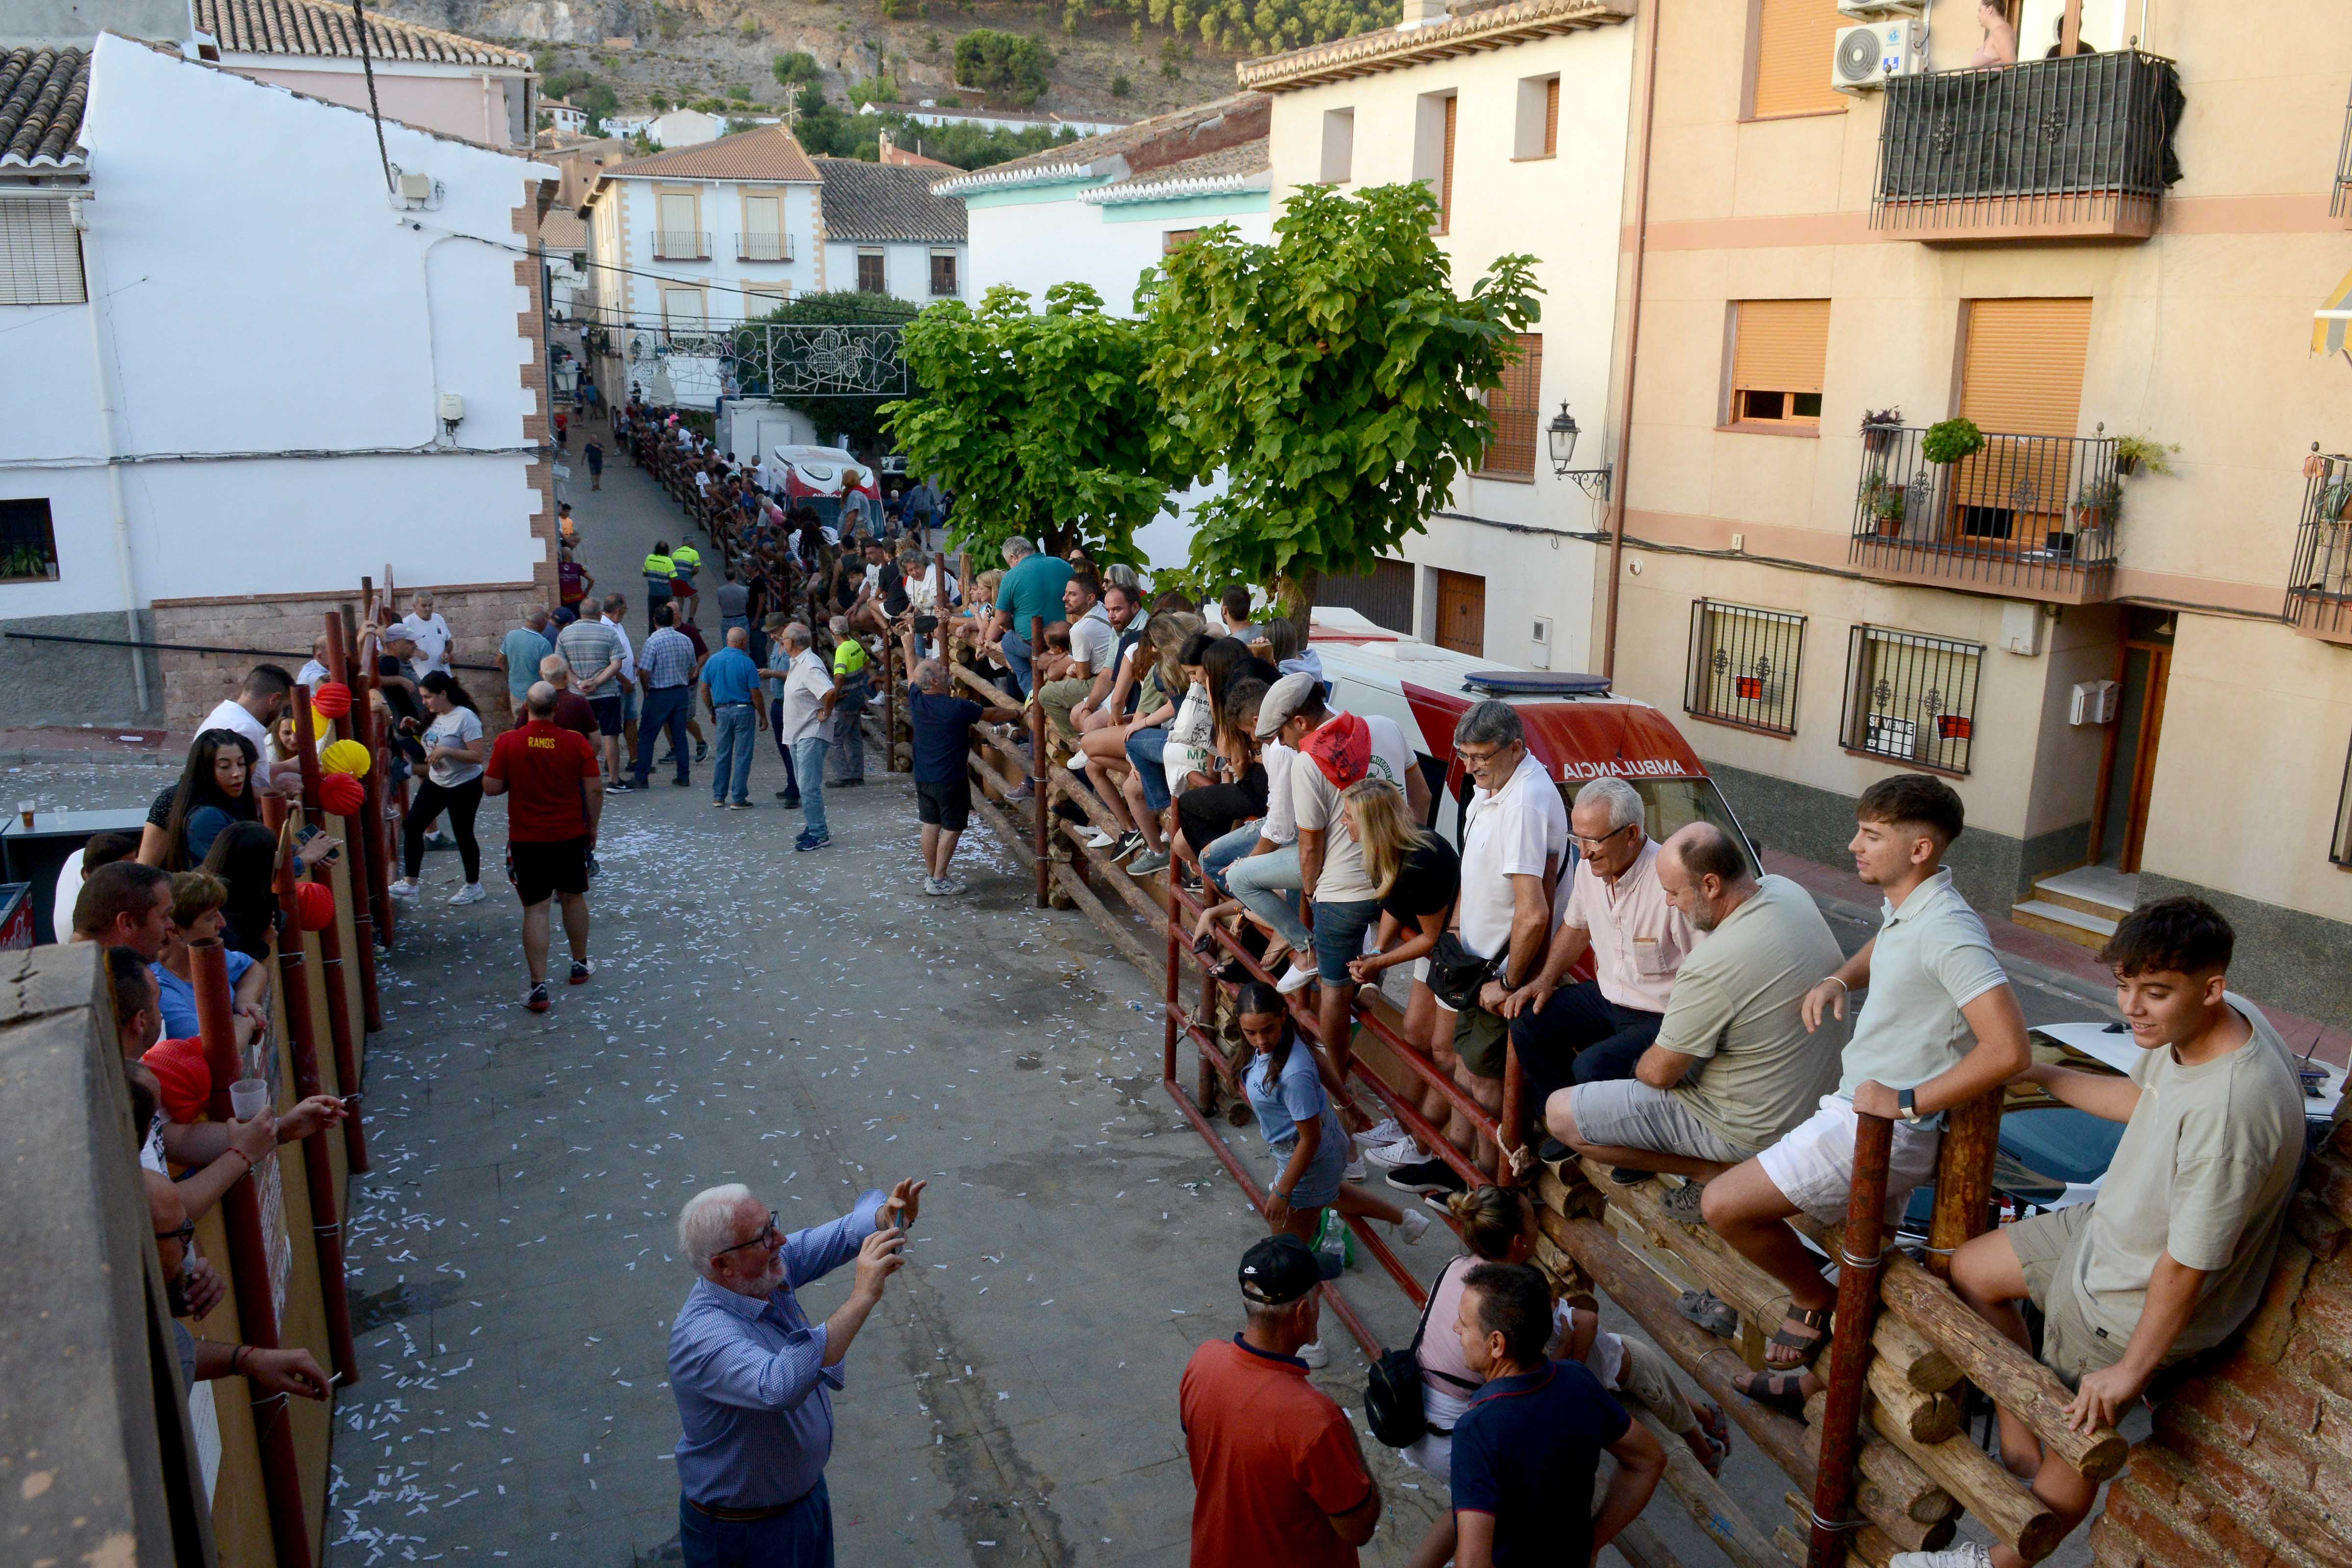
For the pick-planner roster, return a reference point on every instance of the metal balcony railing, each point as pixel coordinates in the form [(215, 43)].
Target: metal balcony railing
[(764, 248), (2079, 146), (681, 244), (2320, 586), (2034, 516), (2339, 205)]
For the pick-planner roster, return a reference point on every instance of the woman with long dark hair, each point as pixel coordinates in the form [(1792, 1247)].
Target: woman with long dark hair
[(245, 856), (453, 750), (214, 789)]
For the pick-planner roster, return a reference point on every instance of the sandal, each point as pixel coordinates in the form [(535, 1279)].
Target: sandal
[(1808, 1350), (1231, 972), (1782, 1390), (1716, 1424), (1682, 1205), (1709, 1313), (1717, 1450)]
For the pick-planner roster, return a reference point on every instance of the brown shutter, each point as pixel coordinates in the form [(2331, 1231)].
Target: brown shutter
[(2023, 372), (1445, 173), (1551, 116), (1779, 345), (1794, 41), (1515, 405)]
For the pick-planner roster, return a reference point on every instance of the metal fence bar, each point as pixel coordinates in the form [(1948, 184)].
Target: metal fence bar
[(2035, 512), (1744, 666), (2340, 202), (1911, 698), (2319, 584)]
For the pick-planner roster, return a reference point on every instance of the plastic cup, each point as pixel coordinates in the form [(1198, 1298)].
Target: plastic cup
[(25, 812), (249, 1098)]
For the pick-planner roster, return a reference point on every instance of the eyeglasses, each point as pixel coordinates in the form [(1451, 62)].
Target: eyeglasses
[(1590, 845), (1479, 759), (186, 1234), (768, 1235)]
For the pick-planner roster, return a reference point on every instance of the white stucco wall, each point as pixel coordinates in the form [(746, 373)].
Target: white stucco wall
[(476, 102), (906, 269), (275, 306), (636, 202)]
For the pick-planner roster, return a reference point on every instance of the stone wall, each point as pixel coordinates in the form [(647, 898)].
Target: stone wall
[(65, 683)]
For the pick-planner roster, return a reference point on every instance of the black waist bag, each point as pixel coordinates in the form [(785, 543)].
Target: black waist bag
[(1456, 974), (1392, 1390)]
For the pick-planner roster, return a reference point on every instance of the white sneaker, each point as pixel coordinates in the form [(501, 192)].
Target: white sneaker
[(931, 886), (1388, 1131), (404, 888), (1352, 1171), (1098, 839), (1963, 1554), (471, 894), (952, 884), (1296, 981), (1315, 1355), (1414, 1224), (1398, 1152)]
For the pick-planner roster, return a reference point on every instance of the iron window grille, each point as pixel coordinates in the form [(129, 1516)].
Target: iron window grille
[(1911, 698), (1744, 666), (2319, 584), (764, 248), (2340, 202), (681, 244), (2037, 513), (28, 541)]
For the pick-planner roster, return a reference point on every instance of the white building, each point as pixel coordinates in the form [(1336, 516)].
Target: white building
[(1516, 115), (216, 428), (564, 119), (928, 112), (885, 233)]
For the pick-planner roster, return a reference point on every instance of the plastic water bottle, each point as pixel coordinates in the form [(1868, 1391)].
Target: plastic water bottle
[(1335, 1247)]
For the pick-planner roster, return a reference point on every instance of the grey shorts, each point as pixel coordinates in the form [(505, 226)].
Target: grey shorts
[(2048, 1248), (1633, 1115)]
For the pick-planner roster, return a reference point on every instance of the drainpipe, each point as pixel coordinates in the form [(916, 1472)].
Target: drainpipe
[(1633, 348), (94, 291)]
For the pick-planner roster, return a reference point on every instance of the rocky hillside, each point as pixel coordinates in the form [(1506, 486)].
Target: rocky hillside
[(1116, 61)]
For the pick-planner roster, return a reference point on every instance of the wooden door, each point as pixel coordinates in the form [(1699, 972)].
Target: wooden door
[(2127, 770), (1461, 612)]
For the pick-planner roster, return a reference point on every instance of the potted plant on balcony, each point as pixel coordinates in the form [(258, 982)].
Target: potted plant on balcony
[(2134, 453), (1878, 428), (2097, 504), (1951, 440), (1884, 502)]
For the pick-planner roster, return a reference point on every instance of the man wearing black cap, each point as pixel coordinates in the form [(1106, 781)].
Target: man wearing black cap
[(1277, 1475)]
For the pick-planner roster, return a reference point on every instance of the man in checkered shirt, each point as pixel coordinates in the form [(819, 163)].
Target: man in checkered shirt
[(666, 666)]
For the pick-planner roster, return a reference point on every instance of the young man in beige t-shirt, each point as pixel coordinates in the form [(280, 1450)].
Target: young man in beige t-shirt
[(2172, 1256)]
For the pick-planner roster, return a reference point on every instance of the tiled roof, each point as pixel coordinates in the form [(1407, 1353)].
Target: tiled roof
[(1244, 168), (887, 201), (1392, 48), (771, 153), (42, 92), (561, 230), (1159, 141), (311, 28)]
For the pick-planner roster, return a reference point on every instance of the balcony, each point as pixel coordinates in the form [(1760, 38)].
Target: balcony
[(2063, 148), (681, 244), (2319, 587), (2028, 517), (2339, 204), (764, 248)]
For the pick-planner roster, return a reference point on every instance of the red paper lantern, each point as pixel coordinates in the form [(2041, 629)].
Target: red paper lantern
[(343, 794), (314, 905), (332, 698)]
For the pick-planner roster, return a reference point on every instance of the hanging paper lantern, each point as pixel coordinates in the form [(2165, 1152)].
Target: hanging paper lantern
[(314, 905), (332, 698), (346, 757), (341, 794)]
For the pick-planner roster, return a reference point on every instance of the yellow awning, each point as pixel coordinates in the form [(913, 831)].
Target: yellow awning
[(2331, 321)]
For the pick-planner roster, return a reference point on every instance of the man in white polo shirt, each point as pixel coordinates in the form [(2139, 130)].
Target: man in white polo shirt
[(1941, 1028), (268, 692)]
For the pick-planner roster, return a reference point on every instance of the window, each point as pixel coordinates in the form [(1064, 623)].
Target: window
[(763, 230), (870, 279), (2020, 377), (1338, 145), (1777, 349), (1383, 595), (28, 544), (1744, 665), (2340, 847), (1537, 132), (683, 309), (943, 272), (759, 299), (1176, 239), (677, 234), (1433, 152), (40, 254), (1515, 405), (1911, 698), (1790, 59)]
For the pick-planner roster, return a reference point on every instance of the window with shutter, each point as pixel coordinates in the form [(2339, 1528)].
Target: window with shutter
[(683, 309), (1536, 133), (943, 272), (2020, 377), (1446, 174), (1175, 240), (763, 229), (1790, 52), (40, 254), (677, 235), (1515, 405), (1777, 350), (870, 279), (1552, 117)]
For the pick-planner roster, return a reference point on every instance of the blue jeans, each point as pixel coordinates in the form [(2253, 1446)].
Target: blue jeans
[(1339, 929), (808, 764), (1266, 885), (666, 710), (800, 1536), (1216, 857), (1148, 750), (1017, 654), (731, 770)]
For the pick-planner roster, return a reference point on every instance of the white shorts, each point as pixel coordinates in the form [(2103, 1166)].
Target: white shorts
[(1813, 1164), (1434, 1451)]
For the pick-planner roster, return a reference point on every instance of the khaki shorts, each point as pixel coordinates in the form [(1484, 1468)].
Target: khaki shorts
[(2048, 1248), (1480, 1041)]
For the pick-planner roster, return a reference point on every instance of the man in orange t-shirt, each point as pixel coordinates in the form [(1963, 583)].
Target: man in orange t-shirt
[(1277, 1475), (550, 778)]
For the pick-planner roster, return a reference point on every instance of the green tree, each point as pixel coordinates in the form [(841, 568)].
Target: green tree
[(1038, 420), (1004, 63), (1120, 86), (857, 418), (1333, 376), (796, 69)]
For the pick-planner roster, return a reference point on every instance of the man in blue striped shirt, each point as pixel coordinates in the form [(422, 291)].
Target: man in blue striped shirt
[(753, 1379)]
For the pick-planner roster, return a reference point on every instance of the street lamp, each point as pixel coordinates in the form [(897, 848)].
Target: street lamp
[(1562, 433)]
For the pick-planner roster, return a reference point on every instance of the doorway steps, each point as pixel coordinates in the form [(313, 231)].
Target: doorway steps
[(2082, 905)]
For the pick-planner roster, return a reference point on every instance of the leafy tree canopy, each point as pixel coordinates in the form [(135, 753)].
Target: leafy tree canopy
[(824, 129), (795, 69), (1333, 376), (1039, 421), (1006, 64)]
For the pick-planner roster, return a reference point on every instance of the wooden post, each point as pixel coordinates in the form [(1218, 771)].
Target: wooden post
[(368, 864), (1041, 786), (331, 945), (1850, 1355), (256, 1301), (1511, 1128), (1964, 1178)]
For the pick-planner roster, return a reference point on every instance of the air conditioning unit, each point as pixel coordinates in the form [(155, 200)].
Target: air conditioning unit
[(1867, 56), (1868, 8)]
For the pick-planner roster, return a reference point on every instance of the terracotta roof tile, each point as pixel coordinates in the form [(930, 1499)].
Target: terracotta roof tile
[(561, 230), (887, 201), (42, 92), (771, 153), (1468, 31), (1162, 140), (309, 27)]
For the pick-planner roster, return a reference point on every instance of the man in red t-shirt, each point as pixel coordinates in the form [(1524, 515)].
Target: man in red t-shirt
[(550, 778), (572, 710), (1277, 1475)]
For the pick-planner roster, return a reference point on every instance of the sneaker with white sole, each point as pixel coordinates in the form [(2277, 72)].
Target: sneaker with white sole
[(404, 888), (1296, 981), (1388, 1131), (1961, 1554), (1315, 1355), (931, 887), (1430, 1178), (1353, 1170), (1390, 1155), (1145, 864), (1414, 1227), (471, 894), (952, 884), (1098, 839)]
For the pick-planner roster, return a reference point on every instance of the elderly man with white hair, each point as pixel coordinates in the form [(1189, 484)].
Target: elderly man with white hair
[(755, 1378)]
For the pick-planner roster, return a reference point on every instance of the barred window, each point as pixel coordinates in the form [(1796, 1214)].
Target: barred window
[(1911, 698), (1743, 666), (2340, 847)]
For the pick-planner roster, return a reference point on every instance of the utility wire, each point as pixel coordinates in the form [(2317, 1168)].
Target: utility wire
[(367, 66)]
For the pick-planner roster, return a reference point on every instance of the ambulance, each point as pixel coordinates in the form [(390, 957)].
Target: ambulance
[(1576, 726)]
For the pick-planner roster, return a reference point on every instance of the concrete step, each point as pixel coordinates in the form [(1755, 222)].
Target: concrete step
[(2092, 890), (2077, 926)]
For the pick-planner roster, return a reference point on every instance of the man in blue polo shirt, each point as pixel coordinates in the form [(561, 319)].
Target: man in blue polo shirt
[(1525, 1452), (730, 685), (1031, 590)]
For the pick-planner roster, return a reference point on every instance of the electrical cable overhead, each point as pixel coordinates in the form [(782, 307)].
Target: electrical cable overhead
[(367, 66)]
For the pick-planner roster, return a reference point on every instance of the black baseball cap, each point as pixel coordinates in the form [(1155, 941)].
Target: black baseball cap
[(1278, 1269)]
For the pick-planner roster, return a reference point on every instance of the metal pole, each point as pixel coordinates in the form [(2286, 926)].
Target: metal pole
[(370, 874), (1040, 789), (1622, 480), (331, 946), (94, 277), (1857, 1309)]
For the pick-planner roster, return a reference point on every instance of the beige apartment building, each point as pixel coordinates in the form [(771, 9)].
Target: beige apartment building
[(2139, 682)]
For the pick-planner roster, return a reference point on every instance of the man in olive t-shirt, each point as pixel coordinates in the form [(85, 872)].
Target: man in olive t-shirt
[(2172, 1255)]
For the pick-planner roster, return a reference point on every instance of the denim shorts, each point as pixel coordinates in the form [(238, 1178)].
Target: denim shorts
[(1148, 750), (1339, 930), (1319, 1187)]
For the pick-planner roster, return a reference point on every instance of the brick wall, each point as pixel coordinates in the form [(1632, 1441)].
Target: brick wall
[(2250, 1462)]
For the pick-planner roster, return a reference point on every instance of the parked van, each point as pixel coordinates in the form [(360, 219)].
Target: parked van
[(1576, 727)]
